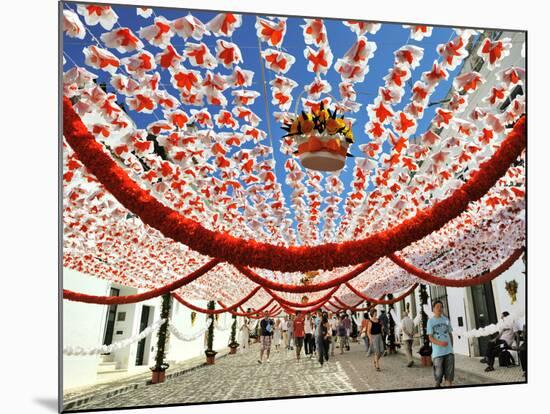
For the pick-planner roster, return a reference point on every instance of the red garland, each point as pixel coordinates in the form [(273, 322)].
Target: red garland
[(252, 312), (343, 305), (285, 302), (217, 311), (338, 308), (292, 311), (443, 281), (121, 300), (382, 301), (255, 314), (287, 259), (282, 287)]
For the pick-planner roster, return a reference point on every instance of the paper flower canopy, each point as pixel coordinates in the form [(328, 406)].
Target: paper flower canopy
[(185, 108)]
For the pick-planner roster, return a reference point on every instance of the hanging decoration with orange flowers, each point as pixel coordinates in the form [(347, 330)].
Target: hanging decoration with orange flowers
[(512, 289), (323, 139)]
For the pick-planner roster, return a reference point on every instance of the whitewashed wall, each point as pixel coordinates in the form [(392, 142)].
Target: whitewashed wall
[(456, 298), (503, 302), (83, 325), (181, 316)]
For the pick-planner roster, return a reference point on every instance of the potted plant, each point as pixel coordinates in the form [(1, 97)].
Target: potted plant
[(391, 334), (159, 370), (425, 350), (210, 353), (233, 345)]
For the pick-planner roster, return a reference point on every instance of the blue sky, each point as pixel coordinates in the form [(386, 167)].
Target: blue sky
[(388, 39)]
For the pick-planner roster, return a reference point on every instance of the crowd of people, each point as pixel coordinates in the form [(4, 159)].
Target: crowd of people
[(319, 334)]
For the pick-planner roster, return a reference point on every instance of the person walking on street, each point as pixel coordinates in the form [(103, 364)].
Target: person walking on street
[(290, 332), (308, 335), (385, 327), (299, 333), (333, 323), (265, 337), (245, 334), (440, 335), (284, 329), (375, 338), (347, 324), (341, 329), (321, 336), (364, 329), (407, 327), (277, 333)]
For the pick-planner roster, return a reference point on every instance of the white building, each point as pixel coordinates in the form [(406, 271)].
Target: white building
[(89, 326), (479, 306)]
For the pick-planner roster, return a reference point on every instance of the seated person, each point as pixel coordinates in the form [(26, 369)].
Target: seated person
[(503, 340), (522, 351)]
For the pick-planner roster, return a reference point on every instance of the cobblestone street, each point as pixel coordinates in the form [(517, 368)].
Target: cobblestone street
[(240, 376)]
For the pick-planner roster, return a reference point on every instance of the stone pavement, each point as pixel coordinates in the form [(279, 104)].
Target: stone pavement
[(240, 377), (109, 386)]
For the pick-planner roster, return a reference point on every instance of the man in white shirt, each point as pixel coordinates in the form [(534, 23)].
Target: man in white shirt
[(504, 340), (407, 327)]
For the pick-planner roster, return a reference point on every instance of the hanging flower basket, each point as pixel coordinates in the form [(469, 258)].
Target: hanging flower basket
[(308, 277), (512, 289), (323, 139)]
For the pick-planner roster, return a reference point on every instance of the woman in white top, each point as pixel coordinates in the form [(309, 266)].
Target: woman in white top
[(245, 334), (277, 335)]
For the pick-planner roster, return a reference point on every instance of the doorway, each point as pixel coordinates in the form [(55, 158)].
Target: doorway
[(143, 322), (484, 311), (110, 319)]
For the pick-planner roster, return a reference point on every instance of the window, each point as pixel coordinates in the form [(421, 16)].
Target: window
[(440, 293)]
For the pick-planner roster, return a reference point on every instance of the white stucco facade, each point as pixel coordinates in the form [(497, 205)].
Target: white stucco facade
[(462, 310), (84, 325)]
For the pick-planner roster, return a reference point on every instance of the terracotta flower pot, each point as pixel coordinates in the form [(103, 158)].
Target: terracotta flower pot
[(210, 357), (158, 376), (232, 350), (426, 361), (322, 152)]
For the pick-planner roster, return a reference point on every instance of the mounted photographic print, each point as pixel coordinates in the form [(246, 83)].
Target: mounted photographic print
[(265, 206)]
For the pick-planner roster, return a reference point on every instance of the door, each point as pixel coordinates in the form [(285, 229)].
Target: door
[(484, 311), (145, 310), (110, 319)]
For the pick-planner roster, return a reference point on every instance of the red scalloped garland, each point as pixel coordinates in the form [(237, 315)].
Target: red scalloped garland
[(266, 283), (216, 311), (443, 281), (121, 300), (288, 259), (238, 251), (382, 301), (288, 303), (254, 313)]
